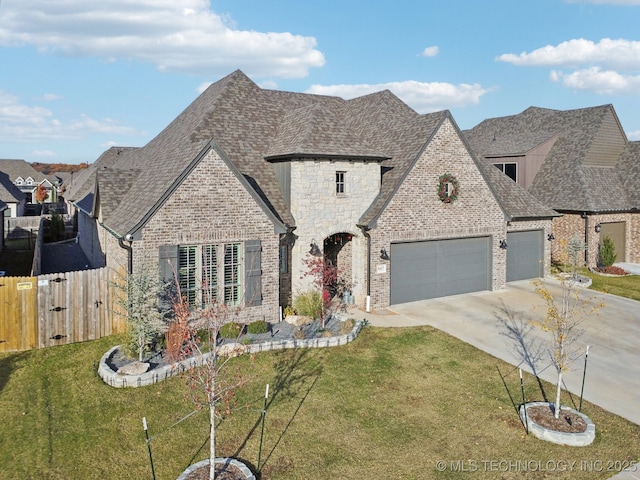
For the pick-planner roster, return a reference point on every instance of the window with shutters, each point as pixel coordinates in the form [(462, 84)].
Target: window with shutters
[(211, 273)]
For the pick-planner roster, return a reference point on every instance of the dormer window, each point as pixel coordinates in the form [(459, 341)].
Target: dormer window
[(19, 181), (509, 169), (29, 181), (340, 183)]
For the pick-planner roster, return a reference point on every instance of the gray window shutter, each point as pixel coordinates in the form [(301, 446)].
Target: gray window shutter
[(253, 273), (168, 255)]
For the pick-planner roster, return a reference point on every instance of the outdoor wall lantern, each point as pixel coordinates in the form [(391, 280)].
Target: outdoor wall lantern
[(550, 237), (384, 255), (314, 250), (598, 228), (503, 244)]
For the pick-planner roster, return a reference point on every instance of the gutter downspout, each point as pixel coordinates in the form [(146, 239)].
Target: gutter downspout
[(365, 232), (129, 254), (586, 239)]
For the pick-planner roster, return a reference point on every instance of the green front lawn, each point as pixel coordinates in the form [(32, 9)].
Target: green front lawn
[(628, 286), (389, 405)]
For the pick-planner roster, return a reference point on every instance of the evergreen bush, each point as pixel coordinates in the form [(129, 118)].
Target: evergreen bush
[(607, 252)]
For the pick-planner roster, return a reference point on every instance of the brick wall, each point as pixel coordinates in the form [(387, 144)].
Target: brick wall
[(416, 212), (573, 223), (210, 207)]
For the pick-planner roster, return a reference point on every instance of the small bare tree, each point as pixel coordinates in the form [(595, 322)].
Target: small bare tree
[(210, 382), (563, 318)]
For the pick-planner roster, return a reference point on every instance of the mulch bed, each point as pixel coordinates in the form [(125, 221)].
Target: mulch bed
[(277, 331), (567, 422), (612, 270)]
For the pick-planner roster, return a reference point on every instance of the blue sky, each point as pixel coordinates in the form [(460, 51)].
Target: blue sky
[(79, 76)]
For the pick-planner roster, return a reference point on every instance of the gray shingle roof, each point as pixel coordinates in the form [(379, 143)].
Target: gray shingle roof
[(516, 202), (565, 180), (20, 168), (247, 124), (83, 182), (629, 172), (9, 193)]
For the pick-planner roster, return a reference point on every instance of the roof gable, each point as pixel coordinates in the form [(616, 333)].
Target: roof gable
[(9, 193)]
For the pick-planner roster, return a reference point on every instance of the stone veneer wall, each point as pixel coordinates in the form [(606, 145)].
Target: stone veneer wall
[(571, 223), (320, 213), (232, 215), (416, 213), (545, 225)]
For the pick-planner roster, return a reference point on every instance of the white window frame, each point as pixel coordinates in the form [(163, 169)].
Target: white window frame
[(341, 183)]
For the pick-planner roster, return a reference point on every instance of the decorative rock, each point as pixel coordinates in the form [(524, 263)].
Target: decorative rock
[(133, 368), (298, 320), (230, 349)]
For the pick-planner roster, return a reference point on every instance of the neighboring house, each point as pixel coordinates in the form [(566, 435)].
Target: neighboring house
[(235, 193), (12, 197), (3, 208), (27, 179), (577, 162)]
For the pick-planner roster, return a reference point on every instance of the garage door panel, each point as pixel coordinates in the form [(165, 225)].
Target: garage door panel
[(431, 269), (525, 255)]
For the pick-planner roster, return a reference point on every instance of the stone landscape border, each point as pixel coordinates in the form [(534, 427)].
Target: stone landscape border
[(580, 439), (119, 380), (229, 461)]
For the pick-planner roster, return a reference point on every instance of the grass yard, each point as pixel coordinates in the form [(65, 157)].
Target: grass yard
[(389, 405), (628, 286)]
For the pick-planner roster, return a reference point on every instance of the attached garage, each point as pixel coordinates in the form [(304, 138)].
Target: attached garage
[(616, 232), (438, 268), (525, 255)]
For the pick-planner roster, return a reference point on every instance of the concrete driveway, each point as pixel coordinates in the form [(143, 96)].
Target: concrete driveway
[(500, 324)]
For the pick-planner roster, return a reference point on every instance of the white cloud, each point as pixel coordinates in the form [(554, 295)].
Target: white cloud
[(431, 51), (184, 36), (50, 97), (624, 54), (422, 97), (21, 123), (609, 67), (635, 135), (603, 82)]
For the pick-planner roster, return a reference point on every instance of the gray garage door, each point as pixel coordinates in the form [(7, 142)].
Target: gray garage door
[(525, 255), (431, 269)]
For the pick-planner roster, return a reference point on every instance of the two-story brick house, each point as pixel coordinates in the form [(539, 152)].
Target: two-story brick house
[(578, 162), (247, 183)]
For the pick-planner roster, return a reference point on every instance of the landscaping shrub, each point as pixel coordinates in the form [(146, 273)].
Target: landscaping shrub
[(607, 252), (231, 330), (258, 327), (347, 326), (308, 304), (289, 311)]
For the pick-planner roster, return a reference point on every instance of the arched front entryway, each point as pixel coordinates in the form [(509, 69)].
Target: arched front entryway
[(338, 255)]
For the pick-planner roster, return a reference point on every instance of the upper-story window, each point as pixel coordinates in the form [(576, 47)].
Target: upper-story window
[(509, 169), (29, 181), (19, 181), (340, 183)]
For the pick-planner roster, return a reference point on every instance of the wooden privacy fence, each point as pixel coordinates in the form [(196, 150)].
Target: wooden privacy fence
[(56, 309)]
